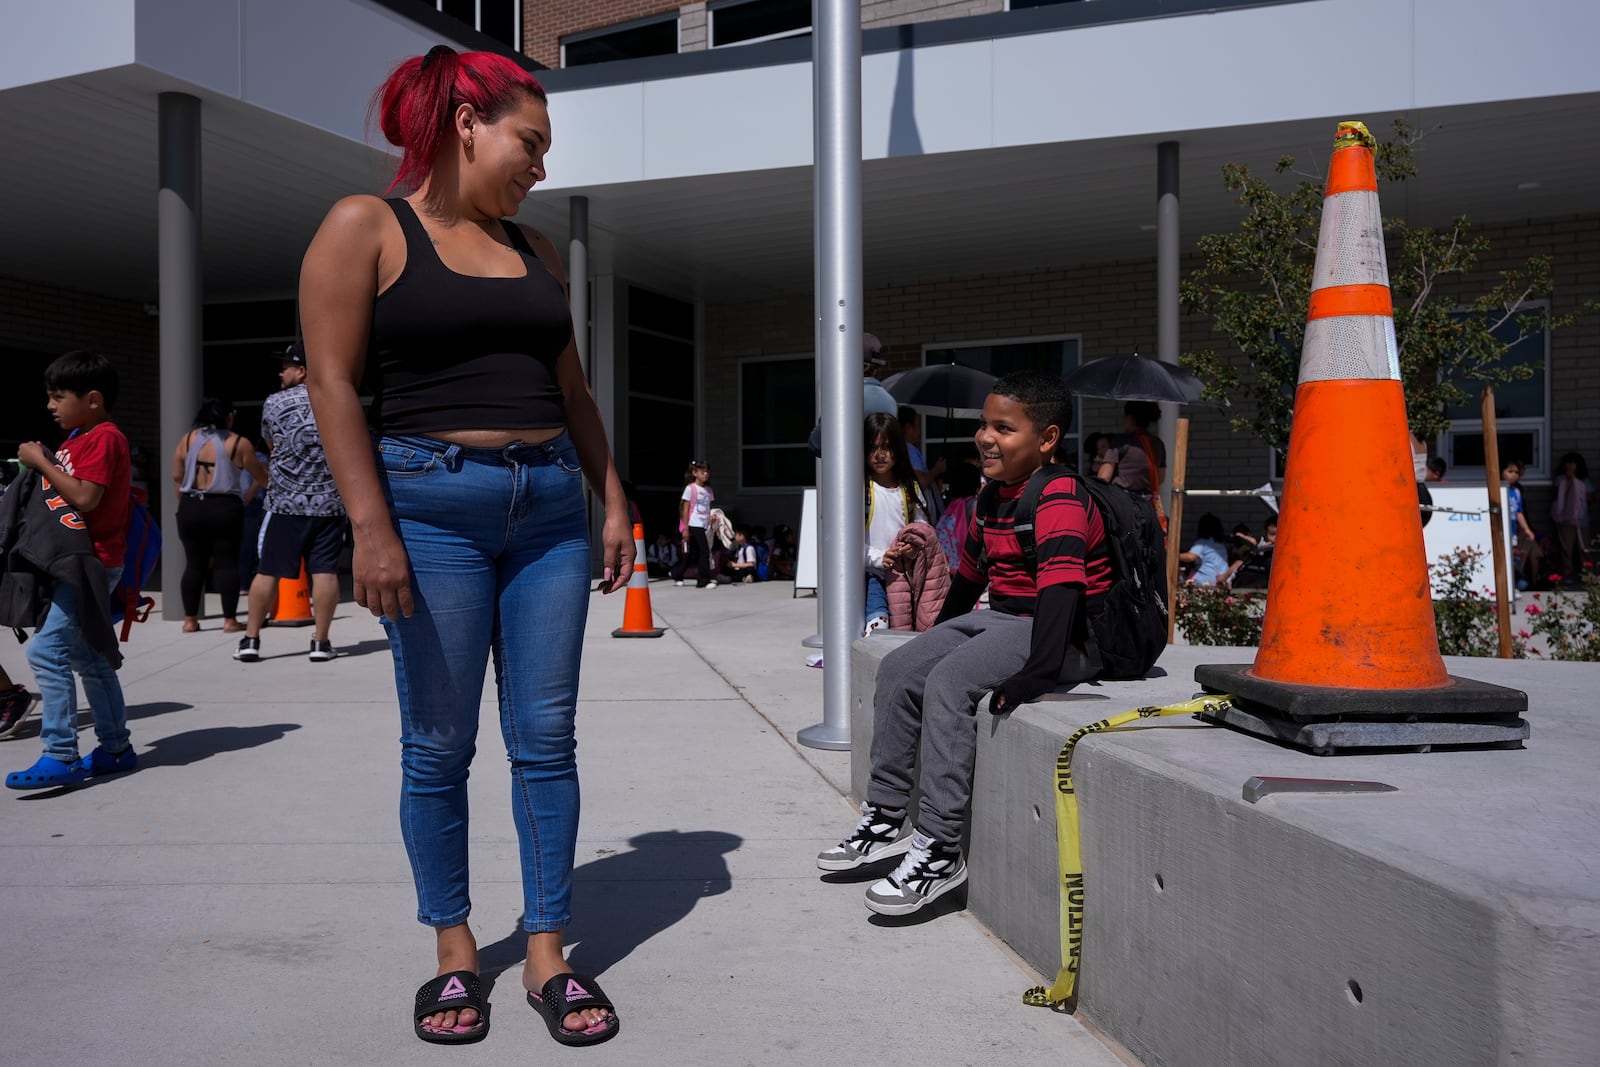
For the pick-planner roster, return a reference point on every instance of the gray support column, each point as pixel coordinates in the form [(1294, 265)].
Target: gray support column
[(178, 208), (607, 387), (578, 274), (815, 640), (1167, 289), (838, 55)]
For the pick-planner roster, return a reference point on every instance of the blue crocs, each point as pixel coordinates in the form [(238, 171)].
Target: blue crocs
[(101, 762), (49, 773)]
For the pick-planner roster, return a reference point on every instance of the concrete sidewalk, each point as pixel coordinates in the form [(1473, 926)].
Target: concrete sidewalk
[(244, 897)]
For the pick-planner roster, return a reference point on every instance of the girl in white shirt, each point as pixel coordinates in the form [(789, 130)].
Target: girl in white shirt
[(893, 502), (694, 516)]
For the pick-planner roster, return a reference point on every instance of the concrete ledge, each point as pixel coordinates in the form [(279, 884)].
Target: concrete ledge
[(1455, 921)]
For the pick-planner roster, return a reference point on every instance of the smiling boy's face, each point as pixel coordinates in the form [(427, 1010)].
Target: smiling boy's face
[(1010, 447)]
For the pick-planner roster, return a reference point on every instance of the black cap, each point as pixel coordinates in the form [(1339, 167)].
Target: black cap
[(295, 354)]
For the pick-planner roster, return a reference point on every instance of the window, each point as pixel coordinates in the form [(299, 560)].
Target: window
[(633, 40), (750, 21), (660, 409), (1521, 410), (777, 408), (238, 361), (952, 438), (500, 19)]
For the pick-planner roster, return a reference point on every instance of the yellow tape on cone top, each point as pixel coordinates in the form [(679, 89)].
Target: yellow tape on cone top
[(1069, 851)]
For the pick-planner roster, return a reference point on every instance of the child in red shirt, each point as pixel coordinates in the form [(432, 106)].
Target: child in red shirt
[(91, 472), (928, 692)]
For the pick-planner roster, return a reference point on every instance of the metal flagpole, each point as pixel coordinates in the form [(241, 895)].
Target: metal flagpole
[(839, 313)]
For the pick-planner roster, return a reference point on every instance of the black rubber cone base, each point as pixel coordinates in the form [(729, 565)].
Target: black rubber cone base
[(1329, 721), (637, 633)]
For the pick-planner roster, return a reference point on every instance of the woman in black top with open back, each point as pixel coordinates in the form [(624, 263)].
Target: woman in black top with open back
[(469, 518)]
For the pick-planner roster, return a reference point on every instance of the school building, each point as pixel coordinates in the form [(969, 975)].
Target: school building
[(169, 160)]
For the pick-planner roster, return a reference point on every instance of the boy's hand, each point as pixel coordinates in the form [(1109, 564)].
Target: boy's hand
[(33, 454)]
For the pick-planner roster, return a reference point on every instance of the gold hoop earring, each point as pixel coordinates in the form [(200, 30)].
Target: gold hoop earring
[(469, 144)]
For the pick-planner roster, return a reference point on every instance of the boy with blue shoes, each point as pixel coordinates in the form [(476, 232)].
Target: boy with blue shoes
[(929, 689), (86, 488)]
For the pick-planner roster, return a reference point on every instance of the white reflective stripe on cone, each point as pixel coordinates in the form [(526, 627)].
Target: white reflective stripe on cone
[(639, 579), (1350, 243), (1360, 347)]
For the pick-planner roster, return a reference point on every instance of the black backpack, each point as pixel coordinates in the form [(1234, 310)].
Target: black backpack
[(1129, 633)]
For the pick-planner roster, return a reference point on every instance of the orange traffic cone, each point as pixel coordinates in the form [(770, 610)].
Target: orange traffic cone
[(294, 601), (1349, 627), (637, 619)]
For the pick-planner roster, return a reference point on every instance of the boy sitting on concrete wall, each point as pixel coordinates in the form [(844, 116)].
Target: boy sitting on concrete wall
[(929, 689)]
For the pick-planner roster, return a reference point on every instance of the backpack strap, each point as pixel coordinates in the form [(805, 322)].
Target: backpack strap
[(1028, 510)]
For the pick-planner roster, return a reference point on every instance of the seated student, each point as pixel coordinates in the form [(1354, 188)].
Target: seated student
[(1208, 554), (926, 702), (784, 551), (1436, 469), (661, 556), (742, 563)]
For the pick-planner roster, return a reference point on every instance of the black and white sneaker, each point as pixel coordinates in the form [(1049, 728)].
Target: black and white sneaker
[(322, 651), (249, 650), (929, 871), (875, 837)]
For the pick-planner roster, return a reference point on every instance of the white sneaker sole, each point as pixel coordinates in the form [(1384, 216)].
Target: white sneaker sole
[(247, 657), (895, 848), (912, 906), (323, 657)]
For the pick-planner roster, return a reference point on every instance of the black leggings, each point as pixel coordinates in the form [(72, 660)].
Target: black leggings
[(699, 554), (210, 528)]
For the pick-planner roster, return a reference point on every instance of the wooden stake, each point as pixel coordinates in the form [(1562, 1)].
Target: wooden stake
[(1175, 523), (1497, 531)]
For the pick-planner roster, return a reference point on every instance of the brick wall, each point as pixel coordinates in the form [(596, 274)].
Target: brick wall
[(876, 13), (544, 24), (1112, 307), (50, 321)]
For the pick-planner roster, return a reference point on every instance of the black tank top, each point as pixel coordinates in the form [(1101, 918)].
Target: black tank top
[(456, 352)]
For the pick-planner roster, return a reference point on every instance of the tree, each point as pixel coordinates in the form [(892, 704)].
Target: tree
[(1255, 283)]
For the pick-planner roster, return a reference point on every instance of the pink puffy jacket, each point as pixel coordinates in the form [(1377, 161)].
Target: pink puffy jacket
[(917, 593)]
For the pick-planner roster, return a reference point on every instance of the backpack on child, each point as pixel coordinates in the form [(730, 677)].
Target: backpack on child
[(128, 602), (1130, 632)]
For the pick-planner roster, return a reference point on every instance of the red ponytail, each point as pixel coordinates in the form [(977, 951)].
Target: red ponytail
[(416, 102)]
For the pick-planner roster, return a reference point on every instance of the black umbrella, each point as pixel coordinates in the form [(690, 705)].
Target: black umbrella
[(1137, 377), (942, 388)]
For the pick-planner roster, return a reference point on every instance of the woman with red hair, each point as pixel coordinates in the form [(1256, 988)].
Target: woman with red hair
[(468, 512)]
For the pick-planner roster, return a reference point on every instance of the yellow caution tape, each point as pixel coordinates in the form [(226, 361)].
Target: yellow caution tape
[(1069, 852), (1353, 133)]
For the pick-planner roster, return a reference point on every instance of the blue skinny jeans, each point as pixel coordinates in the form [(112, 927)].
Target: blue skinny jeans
[(499, 552)]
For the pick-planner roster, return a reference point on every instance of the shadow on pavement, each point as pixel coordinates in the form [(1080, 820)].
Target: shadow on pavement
[(622, 901), (363, 648), (192, 746)]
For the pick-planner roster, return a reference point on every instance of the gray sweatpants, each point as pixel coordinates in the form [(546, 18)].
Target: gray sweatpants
[(927, 700)]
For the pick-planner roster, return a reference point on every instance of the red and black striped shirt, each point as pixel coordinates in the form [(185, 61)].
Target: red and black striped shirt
[(1069, 539)]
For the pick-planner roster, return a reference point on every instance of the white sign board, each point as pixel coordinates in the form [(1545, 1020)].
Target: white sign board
[(805, 564), (1467, 525)]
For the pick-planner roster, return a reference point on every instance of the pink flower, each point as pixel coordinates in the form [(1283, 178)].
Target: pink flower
[(1534, 609), (1523, 634), (1555, 577), (1229, 600)]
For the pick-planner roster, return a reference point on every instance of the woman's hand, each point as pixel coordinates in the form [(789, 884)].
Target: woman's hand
[(617, 538), (382, 573)]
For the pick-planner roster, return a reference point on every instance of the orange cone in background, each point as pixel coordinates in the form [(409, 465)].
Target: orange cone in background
[(1349, 656), (637, 619), (294, 600)]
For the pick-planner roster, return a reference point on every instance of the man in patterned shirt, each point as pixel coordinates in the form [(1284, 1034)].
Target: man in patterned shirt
[(305, 518)]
